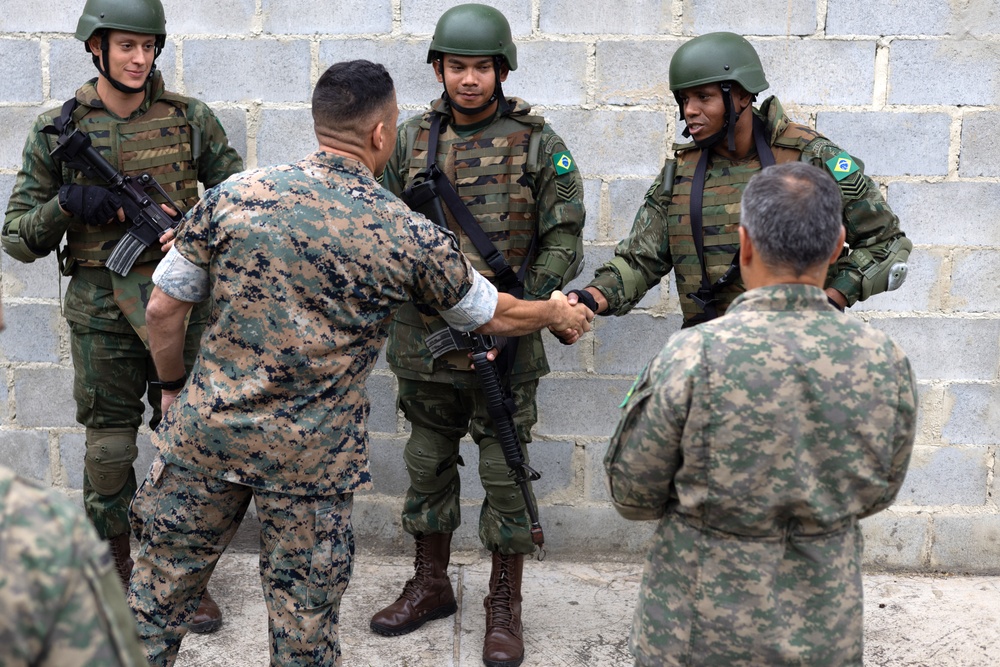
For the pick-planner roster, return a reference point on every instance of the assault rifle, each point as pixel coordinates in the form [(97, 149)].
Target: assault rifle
[(148, 220)]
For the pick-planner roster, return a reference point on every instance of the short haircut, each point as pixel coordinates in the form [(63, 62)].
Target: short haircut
[(349, 95), (792, 213)]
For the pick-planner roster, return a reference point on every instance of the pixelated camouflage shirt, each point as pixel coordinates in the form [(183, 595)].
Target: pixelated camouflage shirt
[(306, 264), (560, 217), (644, 256), (61, 602), (41, 224), (758, 440)]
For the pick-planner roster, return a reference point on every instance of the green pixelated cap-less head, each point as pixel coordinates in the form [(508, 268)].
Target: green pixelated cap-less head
[(473, 30), (714, 58), (139, 16)]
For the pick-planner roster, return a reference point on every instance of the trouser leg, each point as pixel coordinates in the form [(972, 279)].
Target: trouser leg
[(184, 520), (306, 558)]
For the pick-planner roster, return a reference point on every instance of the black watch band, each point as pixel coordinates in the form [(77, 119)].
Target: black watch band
[(172, 385), (586, 298)]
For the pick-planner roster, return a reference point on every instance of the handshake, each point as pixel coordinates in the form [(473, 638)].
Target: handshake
[(578, 301)]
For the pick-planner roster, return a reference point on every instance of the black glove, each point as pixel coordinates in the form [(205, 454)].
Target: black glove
[(586, 298), (91, 204)]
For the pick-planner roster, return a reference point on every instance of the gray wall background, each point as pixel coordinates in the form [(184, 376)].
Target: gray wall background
[(909, 86)]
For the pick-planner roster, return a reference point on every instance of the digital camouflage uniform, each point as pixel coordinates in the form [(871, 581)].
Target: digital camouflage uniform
[(515, 176), (758, 440), (179, 141), (305, 264), (661, 237), (61, 604)]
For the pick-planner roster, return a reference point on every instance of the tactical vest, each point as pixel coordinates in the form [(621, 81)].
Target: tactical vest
[(724, 185), (161, 143), (491, 174)]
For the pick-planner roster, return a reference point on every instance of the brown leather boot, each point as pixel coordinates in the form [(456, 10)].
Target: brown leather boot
[(427, 596), (208, 617), (504, 643), (123, 563)]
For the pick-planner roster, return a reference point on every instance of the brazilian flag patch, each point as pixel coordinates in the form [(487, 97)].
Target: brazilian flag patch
[(841, 166), (563, 163)]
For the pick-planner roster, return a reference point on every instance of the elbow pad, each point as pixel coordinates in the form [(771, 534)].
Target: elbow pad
[(885, 270)]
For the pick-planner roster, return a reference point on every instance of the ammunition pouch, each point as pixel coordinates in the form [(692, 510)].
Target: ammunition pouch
[(884, 270)]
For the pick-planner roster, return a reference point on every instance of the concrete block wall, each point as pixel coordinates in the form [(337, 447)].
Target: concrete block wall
[(907, 87)]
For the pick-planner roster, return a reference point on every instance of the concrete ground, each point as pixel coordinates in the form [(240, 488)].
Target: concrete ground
[(579, 614)]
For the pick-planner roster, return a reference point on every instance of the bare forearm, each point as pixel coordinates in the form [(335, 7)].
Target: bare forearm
[(515, 317), (165, 320)]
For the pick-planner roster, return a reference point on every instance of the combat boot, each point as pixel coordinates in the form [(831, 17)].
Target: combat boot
[(504, 643), (427, 596), (208, 617), (123, 562)]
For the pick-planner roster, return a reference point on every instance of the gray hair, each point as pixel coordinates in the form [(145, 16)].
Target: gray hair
[(792, 213)]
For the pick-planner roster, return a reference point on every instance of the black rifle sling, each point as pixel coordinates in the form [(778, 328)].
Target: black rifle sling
[(705, 296)]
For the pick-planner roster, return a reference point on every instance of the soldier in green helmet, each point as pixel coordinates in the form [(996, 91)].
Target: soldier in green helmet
[(688, 221), (139, 127), (514, 178)]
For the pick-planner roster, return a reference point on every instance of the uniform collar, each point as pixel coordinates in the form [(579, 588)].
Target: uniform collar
[(782, 297), (87, 95), (340, 163)]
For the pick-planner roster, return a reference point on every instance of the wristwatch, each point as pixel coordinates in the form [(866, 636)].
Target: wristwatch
[(172, 385)]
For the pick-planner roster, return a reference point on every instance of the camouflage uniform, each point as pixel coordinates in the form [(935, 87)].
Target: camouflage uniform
[(60, 601), (306, 264), (509, 176), (661, 238), (758, 440), (180, 142)]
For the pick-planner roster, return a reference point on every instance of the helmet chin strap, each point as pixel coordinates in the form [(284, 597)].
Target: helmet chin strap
[(728, 127), (497, 93), (106, 70)]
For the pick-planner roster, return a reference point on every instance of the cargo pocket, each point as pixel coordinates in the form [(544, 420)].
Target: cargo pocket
[(332, 558)]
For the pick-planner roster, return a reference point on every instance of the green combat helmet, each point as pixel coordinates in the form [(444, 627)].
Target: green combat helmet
[(717, 57), (139, 16), (474, 30)]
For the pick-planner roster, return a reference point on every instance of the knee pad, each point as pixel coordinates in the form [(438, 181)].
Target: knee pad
[(431, 460), (109, 458), (502, 493)]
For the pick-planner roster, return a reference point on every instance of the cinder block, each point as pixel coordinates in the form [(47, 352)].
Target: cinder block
[(916, 293), (950, 213), (15, 123), (388, 467), (29, 16), (72, 448), (552, 459), (635, 72), (234, 122), (577, 406), (573, 532), (4, 400), (626, 344), (895, 540), (221, 70), (972, 352), (626, 17), (306, 17), (978, 156), (26, 453), (24, 57), (382, 397), (946, 476), (627, 197), (875, 138), (285, 135), (405, 60), (596, 484), (221, 17), (884, 17), (613, 142), (38, 280), (32, 333), (44, 397), (568, 358), (6, 186), (420, 16), (960, 69), (971, 290), (591, 203), (550, 73), (975, 413), (840, 72), (764, 17), (966, 543)]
